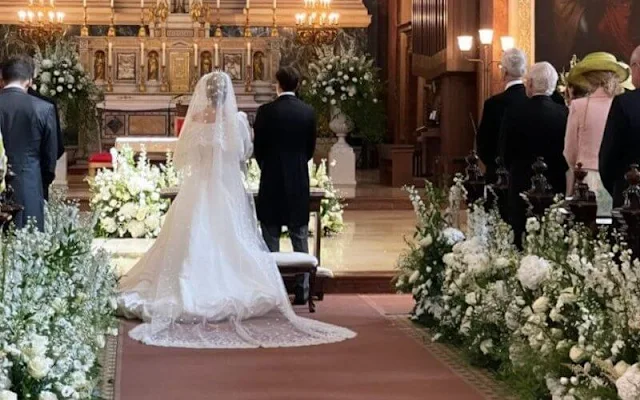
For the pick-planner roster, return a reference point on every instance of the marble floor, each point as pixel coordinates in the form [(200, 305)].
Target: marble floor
[(369, 245)]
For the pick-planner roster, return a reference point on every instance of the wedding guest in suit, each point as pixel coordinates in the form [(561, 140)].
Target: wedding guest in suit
[(29, 128), (600, 74), (534, 129), (621, 141), (285, 139), (514, 65)]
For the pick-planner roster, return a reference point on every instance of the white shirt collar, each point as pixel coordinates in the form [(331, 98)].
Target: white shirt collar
[(513, 83), (15, 85), (287, 94)]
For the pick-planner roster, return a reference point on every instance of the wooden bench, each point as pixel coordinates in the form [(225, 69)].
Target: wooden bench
[(299, 263)]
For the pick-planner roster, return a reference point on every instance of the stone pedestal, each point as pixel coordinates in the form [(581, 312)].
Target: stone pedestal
[(343, 174), (61, 172)]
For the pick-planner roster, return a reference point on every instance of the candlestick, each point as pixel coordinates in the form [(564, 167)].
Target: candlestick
[(84, 31), (247, 28), (218, 28), (163, 87), (112, 29), (110, 59), (164, 54), (195, 54), (216, 50), (248, 78), (141, 52), (141, 85), (142, 32), (194, 79), (109, 81), (248, 53), (274, 26)]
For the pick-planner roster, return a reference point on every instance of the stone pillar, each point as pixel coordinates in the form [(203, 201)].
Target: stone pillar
[(343, 174)]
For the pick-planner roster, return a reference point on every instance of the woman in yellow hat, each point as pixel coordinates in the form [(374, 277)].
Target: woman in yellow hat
[(628, 84), (600, 75)]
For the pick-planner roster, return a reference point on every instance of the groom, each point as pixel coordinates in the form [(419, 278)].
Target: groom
[(285, 140)]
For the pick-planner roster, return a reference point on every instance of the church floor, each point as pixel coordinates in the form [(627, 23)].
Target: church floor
[(384, 362)]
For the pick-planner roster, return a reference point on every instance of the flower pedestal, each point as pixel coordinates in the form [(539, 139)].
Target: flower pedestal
[(343, 174)]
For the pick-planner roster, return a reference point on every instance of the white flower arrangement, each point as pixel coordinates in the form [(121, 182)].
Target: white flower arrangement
[(60, 76), (127, 198), (331, 208), (561, 318), (58, 301)]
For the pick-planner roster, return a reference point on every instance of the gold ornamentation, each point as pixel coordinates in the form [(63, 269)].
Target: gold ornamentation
[(164, 87), (524, 36), (247, 80), (317, 24), (180, 68), (109, 80), (141, 85)]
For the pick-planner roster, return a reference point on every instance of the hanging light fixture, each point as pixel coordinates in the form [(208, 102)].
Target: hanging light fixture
[(318, 24), (41, 22)]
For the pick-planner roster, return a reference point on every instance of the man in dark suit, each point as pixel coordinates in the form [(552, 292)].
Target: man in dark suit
[(621, 141), (513, 69), (29, 129), (285, 140), (535, 128)]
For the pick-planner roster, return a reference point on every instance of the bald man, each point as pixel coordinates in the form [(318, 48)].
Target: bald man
[(621, 142)]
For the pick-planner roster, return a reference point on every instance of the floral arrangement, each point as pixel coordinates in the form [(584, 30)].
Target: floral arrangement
[(331, 208), (127, 199), (58, 302), (61, 77), (563, 82), (350, 85), (559, 320)]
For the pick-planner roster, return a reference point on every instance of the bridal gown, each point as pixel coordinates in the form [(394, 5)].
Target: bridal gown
[(209, 281)]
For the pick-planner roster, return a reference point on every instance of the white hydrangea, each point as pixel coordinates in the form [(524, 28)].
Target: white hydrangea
[(533, 271)]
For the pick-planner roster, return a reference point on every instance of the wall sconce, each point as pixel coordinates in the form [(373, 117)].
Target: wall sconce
[(465, 44)]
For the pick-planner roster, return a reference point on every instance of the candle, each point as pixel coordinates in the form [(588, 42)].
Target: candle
[(164, 54), (248, 4), (111, 3), (141, 3), (84, 3), (248, 53), (110, 51), (217, 3), (141, 52), (195, 54), (274, 4), (215, 54)]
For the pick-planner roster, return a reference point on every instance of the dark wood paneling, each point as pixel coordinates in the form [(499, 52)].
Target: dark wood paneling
[(430, 26)]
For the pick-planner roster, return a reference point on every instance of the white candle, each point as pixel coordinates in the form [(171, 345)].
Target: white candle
[(248, 53), (217, 3), (195, 54), (111, 3), (248, 4), (274, 4), (164, 54), (141, 3), (142, 52), (84, 3), (110, 54), (215, 54)]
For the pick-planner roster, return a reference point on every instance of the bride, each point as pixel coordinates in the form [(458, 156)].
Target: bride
[(209, 281)]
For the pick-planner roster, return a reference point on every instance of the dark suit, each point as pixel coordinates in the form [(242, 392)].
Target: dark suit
[(621, 143), (29, 129), (59, 138), (536, 128), (489, 129), (285, 140)]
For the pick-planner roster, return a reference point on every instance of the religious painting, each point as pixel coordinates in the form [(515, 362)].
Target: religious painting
[(99, 62), (567, 27), (126, 67), (258, 66), (153, 66), (206, 63), (232, 65)]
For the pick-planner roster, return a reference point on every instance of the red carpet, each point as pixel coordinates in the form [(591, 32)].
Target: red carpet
[(381, 363)]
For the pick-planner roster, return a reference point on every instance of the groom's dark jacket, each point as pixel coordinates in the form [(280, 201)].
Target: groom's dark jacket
[(285, 140)]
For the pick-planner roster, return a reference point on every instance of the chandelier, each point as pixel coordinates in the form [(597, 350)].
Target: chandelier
[(41, 22), (317, 25)]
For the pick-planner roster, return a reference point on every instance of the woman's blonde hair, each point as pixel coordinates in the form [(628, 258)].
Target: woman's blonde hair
[(606, 80)]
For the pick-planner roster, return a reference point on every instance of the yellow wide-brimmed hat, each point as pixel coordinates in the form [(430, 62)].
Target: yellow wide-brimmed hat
[(627, 85), (598, 61)]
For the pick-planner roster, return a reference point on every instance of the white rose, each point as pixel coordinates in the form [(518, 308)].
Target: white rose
[(47, 396), (541, 305), (486, 346), (471, 298), (59, 89), (426, 241), (152, 222), (8, 395), (533, 271), (136, 228), (576, 354), (39, 367)]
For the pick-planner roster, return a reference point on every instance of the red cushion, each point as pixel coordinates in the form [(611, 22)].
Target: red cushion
[(179, 124), (100, 157)]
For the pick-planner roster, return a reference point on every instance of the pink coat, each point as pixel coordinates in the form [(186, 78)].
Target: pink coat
[(585, 127)]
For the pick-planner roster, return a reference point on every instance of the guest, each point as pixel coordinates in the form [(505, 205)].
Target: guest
[(627, 84), (29, 128), (621, 142), (601, 75), (513, 67), (534, 129), (574, 92), (285, 140)]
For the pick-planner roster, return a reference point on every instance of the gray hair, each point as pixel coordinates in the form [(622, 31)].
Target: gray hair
[(543, 79), (514, 63)]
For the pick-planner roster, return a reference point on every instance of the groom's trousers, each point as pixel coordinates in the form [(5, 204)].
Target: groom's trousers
[(300, 241)]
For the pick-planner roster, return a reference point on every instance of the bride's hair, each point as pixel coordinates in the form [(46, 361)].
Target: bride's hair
[(216, 88)]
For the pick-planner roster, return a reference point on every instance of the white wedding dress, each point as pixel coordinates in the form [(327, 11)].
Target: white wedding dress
[(209, 281)]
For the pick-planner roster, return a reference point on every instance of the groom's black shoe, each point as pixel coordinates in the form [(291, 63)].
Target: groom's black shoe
[(301, 289)]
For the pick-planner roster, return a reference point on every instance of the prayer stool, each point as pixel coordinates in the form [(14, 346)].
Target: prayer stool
[(98, 161), (299, 263)]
